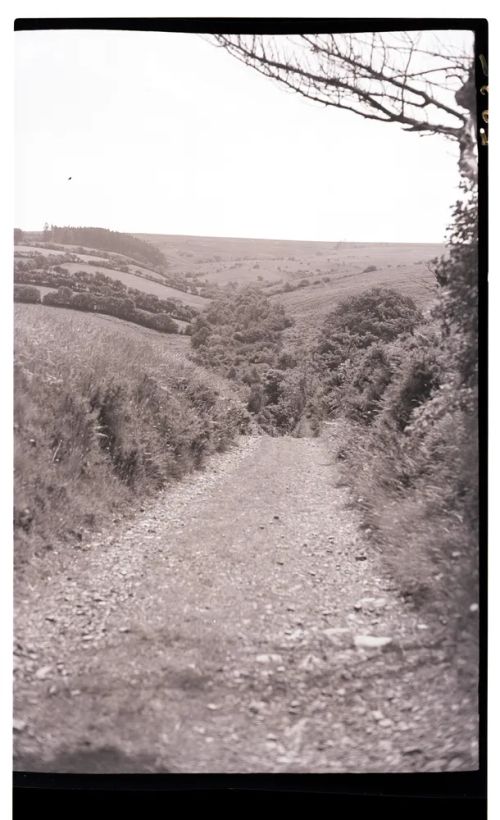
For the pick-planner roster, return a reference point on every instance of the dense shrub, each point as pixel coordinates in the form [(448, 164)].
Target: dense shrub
[(457, 274), (23, 293), (119, 306), (365, 382), (240, 335), (58, 298), (100, 285), (245, 326), (378, 315), (406, 429)]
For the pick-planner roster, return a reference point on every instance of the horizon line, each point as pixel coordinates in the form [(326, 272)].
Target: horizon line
[(256, 238)]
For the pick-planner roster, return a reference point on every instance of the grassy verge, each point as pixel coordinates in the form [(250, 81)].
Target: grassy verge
[(103, 419), (426, 538)]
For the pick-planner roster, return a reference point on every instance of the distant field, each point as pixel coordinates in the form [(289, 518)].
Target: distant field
[(144, 285), (157, 288), (412, 280), (225, 259), (91, 255), (272, 264)]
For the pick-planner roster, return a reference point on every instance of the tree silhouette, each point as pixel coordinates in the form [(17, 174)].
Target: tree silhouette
[(414, 79)]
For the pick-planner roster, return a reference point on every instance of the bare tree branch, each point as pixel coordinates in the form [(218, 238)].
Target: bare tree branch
[(423, 84)]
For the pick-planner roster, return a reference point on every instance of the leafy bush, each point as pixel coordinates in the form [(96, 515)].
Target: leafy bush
[(378, 315), (240, 335), (245, 325), (100, 285), (406, 431), (122, 308), (27, 294)]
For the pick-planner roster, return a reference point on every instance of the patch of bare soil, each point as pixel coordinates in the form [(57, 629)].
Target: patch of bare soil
[(239, 624)]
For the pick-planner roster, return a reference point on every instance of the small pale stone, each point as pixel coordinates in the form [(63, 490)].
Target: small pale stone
[(268, 658), (19, 725), (371, 642), (43, 672)]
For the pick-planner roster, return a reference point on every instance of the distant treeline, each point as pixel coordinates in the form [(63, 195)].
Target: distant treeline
[(96, 284), (103, 239), (122, 308)]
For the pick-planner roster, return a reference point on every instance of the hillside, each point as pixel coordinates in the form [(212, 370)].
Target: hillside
[(90, 274), (107, 413), (98, 238), (318, 274)]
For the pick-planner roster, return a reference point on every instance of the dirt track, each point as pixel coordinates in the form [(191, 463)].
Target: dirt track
[(216, 634)]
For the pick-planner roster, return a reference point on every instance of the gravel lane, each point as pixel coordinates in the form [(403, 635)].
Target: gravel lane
[(225, 630)]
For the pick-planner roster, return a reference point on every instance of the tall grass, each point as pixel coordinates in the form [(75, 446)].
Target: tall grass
[(103, 419)]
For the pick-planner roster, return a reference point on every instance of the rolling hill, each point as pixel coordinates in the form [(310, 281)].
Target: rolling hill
[(115, 266), (309, 278)]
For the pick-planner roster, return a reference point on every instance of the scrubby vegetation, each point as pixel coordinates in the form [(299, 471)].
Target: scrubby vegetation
[(352, 339), (122, 308), (49, 271), (27, 293), (402, 389), (102, 420), (97, 292), (241, 336)]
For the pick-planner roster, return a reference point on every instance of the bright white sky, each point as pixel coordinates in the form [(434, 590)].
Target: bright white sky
[(165, 133)]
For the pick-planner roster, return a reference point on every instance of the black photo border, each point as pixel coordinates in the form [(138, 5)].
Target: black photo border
[(395, 795)]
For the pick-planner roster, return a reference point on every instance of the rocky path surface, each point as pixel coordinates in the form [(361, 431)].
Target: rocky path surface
[(228, 628)]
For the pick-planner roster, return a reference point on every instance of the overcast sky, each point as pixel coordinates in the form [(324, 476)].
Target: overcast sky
[(165, 133)]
